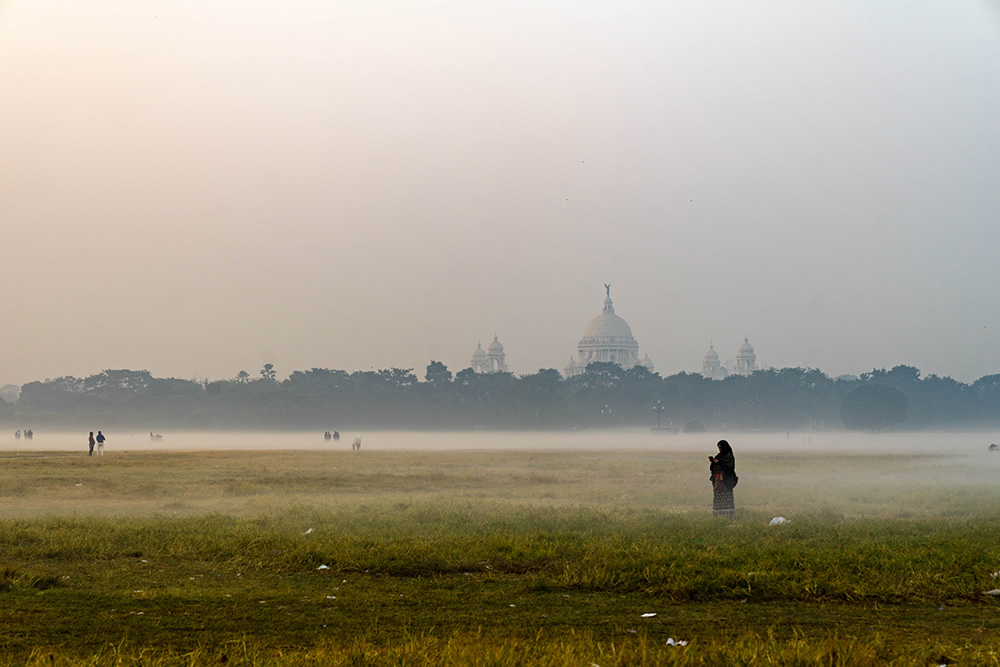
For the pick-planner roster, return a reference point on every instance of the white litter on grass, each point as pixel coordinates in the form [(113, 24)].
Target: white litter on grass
[(778, 520), (308, 531), (323, 567), (995, 574), (649, 615), (79, 484), (995, 591), (331, 597), (679, 642)]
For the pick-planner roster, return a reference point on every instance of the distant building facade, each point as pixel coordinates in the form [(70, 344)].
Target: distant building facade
[(711, 367), (608, 338), (714, 369), (491, 360), (746, 359)]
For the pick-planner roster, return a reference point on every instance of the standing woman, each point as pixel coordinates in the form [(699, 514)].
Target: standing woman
[(723, 469)]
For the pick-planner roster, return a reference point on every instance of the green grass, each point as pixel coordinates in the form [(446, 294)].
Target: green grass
[(494, 558)]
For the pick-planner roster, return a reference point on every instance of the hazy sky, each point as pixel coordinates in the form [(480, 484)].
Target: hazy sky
[(199, 187)]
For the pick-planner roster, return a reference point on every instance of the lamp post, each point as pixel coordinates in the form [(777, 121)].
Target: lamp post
[(658, 409)]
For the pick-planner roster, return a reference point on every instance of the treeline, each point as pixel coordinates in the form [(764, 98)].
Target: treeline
[(605, 396)]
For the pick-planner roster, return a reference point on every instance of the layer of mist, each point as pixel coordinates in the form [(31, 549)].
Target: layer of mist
[(961, 444)]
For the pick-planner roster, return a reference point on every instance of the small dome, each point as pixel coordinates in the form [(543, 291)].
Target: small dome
[(746, 348), (711, 355), (647, 362), (479, 353), (495, 346)]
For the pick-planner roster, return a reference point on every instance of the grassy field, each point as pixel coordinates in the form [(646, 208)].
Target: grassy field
[(496, 558)]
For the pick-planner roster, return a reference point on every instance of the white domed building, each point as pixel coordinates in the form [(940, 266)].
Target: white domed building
[(746, 362), (491, 360), (608, 338), (746, 359), (711, 367), (478, 362)]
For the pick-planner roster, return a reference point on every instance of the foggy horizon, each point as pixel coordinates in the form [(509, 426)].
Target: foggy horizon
[(197, 189)]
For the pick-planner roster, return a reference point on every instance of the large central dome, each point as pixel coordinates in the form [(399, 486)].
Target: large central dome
[(608, 326), (607, 339)]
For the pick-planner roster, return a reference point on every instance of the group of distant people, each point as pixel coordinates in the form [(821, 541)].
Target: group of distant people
[(99, 441), (28, 434), (335, 436)]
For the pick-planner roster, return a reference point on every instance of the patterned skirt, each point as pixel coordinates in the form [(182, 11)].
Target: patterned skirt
[(723, 503)]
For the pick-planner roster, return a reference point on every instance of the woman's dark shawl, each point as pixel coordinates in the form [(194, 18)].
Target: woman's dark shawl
[(727, 462)]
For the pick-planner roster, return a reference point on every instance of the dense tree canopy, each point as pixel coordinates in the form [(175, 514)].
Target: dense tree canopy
[(872, 407), (606, 395)]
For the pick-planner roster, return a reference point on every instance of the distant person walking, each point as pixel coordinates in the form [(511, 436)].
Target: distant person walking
[(100, 443), (91, 443), (723, 477), (356, 445)]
